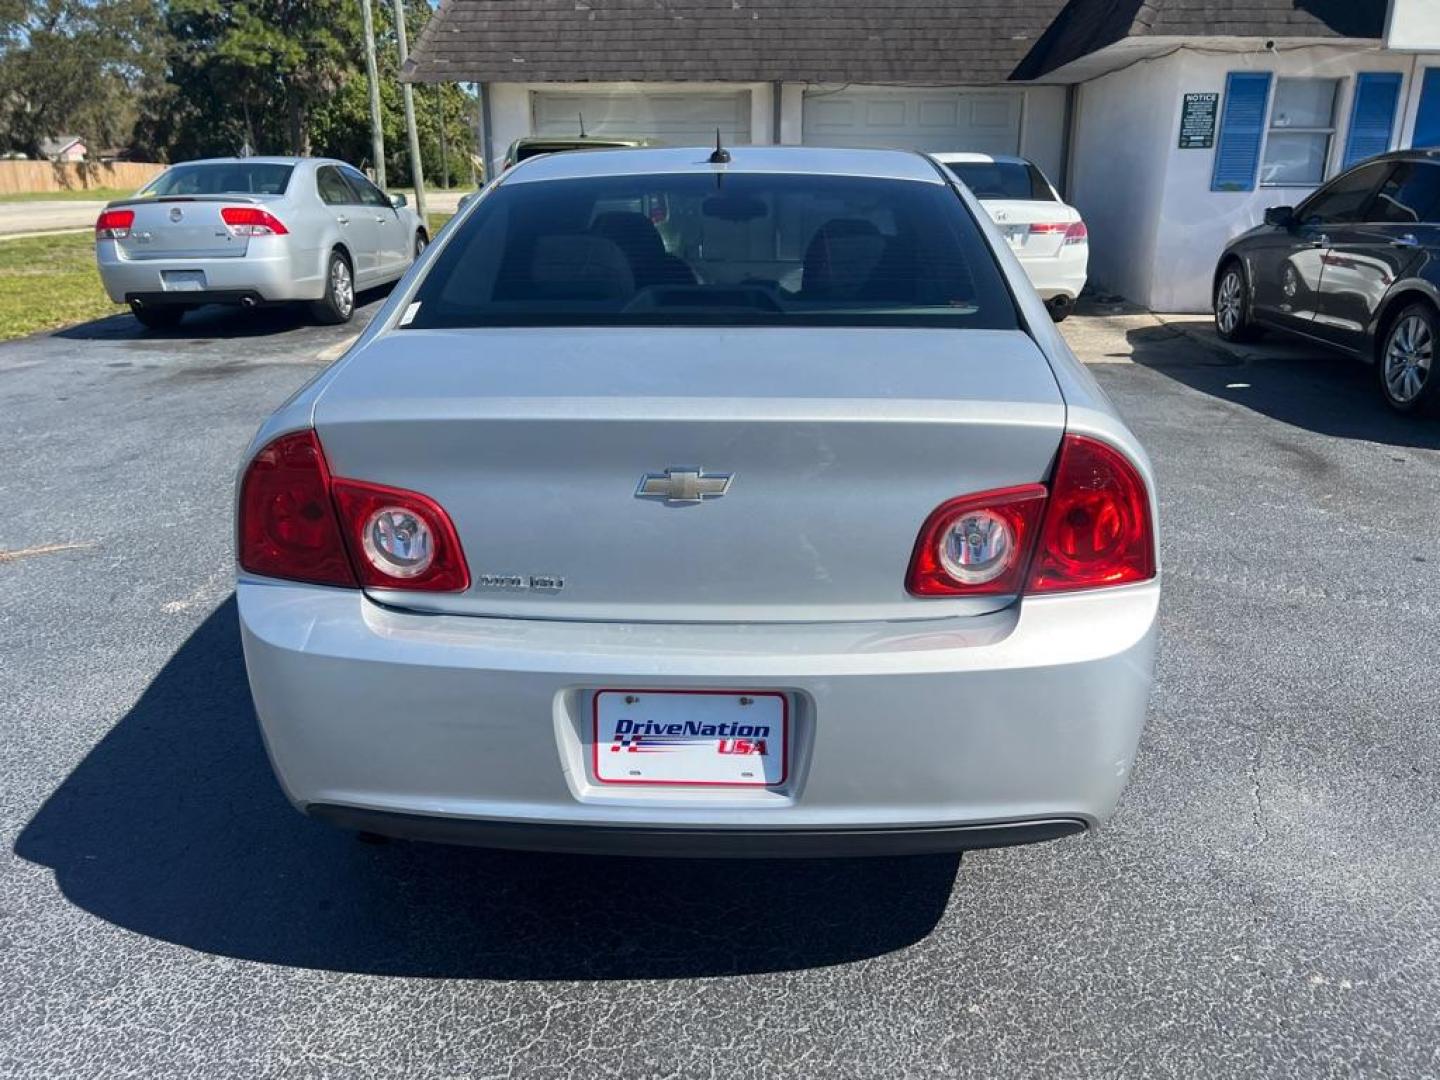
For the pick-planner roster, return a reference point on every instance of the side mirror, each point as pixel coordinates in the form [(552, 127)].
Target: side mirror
[(1282, 217), (397, 201)]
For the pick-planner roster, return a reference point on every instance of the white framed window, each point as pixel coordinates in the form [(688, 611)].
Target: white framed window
[(1301, 129)]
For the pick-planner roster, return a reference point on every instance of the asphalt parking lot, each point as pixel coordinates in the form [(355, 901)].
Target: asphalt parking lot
[(1264, 903)]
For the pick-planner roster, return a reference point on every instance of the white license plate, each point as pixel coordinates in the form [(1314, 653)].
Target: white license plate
[(725, 738), (183, 280)]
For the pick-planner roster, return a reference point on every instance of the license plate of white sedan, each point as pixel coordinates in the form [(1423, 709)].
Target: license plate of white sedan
[(706, 738), (183, 280)]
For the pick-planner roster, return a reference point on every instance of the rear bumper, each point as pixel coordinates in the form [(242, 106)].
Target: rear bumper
[(907, 736), (246, 297), (1062, 274), (268, 272), (694, 842)]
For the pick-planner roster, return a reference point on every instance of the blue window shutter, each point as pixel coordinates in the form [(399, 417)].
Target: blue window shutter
[(1427, 119), (1242, 130), (1372, 118)]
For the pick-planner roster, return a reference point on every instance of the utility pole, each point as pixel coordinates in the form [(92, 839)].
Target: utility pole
[(377, 134), (416, 174), (479, 134), (444, 153)]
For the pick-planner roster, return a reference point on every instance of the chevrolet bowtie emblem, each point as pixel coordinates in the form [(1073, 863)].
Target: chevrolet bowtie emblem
[(683, 485)]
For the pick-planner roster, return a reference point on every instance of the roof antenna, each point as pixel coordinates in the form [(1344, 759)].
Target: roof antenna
[(582, 125), (720, 156)]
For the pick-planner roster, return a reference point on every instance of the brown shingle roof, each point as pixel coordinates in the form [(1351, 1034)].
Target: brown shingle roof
[(863, 41), (871, 41), (1086, 26)]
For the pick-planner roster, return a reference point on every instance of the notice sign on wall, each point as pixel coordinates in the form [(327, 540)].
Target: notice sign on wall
[(1197, 121)]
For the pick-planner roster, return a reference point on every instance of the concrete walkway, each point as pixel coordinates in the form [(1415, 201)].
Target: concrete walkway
[(1111, 332)]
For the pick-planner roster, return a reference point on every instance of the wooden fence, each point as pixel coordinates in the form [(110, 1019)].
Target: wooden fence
[(21, 177)]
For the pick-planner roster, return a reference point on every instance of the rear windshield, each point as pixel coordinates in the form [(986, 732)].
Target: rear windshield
[(524, 153), (223, 178), (529, 150), (1002, 179), (739, 249)]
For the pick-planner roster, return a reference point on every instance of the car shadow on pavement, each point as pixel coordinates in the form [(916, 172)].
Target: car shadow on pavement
[(214, 321), (1318, 390), (173, 826)]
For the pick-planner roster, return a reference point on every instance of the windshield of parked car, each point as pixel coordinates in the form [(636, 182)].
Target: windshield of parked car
[(716, 249), (1002, 179), (525, 151), (223, 178)]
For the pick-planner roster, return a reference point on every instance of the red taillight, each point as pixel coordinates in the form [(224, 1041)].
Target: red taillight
[(114, 224), (1045, 228), (1077, 233), (299, 523), (1090, 528), (1097, 527), (978, 545), (288, 528), (251, 221), (400, 539)]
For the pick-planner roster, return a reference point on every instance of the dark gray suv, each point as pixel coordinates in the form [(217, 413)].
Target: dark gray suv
[(1354, 267)]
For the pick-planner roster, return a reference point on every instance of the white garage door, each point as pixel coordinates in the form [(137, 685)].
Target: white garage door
[(673, 119), (982, 121)]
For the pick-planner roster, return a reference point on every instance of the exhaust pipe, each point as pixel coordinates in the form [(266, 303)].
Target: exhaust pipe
[(247, 301)]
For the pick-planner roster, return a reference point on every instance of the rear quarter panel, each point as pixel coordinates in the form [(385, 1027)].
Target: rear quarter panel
[(1088, 409)]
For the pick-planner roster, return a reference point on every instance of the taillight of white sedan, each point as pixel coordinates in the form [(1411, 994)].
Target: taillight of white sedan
[(602, 539)]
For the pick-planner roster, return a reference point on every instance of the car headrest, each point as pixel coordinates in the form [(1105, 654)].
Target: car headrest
[(633, 232), (841, 257), (580, 267)]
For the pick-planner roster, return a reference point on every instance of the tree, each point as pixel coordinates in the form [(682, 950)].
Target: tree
[(278, 76), (258, 69), (75, 67), (342, 123)]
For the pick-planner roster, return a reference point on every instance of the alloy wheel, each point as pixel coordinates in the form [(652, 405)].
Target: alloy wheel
[(1227, 303), (1408, 357), (341, 287)]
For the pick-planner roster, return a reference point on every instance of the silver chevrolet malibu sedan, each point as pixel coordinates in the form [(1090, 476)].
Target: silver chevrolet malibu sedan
[(254, 231), (684, 502)]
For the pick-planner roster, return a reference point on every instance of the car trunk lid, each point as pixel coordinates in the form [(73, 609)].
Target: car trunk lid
[(186, 226), (837, 444), (1035, 228)]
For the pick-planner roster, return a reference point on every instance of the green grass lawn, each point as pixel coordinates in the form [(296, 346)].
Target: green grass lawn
[(96, 194), (49, 281)]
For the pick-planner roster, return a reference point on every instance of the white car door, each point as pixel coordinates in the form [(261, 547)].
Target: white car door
[(392, 248)]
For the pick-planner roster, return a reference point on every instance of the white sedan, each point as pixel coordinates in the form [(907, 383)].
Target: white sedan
[(1046, 234)]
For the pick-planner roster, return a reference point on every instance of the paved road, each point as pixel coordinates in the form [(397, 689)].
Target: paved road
[(48, 215), (59, 215), (1265, 902)]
